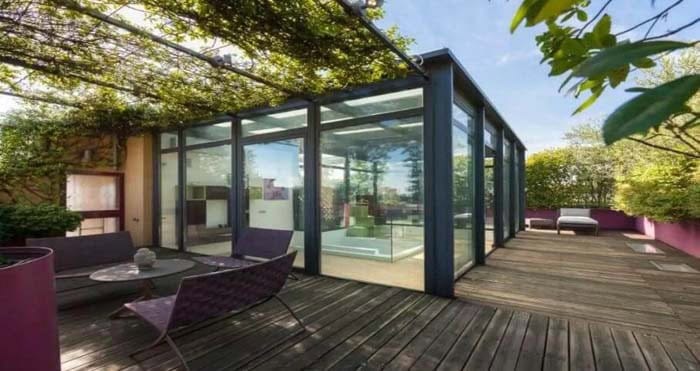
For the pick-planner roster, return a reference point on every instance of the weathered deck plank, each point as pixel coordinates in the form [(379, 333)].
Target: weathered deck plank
[(351, 325), (597, 279)]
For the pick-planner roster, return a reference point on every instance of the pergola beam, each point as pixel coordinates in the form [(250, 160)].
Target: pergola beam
[(75, 6), (371, 27)]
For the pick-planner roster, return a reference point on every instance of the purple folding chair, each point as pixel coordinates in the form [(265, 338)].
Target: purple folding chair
[(214, 294), (255, 245)]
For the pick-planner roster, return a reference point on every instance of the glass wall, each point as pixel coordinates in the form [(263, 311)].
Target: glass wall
[(372, 191), (274, 188), (489, 185), (462, 186), (507, 206), (203, 219), (207, 202), (169, 192)]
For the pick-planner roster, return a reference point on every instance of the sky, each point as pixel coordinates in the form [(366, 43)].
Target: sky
[(506, 66)]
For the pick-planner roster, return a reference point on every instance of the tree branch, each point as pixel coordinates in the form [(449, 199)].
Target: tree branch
[(659, 15), (673, 32), (682, 153)]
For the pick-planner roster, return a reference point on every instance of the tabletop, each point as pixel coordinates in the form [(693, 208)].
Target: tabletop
[(130, 272)]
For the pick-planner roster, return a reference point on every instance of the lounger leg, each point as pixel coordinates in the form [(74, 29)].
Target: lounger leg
[(290, 311)]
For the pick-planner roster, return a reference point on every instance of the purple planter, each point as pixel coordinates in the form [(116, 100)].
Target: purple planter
[(607, 219), (683, 236), (28, 325)]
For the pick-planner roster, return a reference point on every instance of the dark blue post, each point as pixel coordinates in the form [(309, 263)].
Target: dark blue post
[(479, 188), (439, 254)]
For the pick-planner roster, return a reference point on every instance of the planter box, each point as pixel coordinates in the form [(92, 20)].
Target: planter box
[(684, 236), (28, 325)]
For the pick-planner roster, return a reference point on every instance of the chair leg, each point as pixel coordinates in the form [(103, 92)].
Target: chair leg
[(290, 311), (292, 276), (149, 346), (175, 349)]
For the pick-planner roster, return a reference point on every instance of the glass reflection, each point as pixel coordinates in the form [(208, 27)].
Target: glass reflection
[(274, 189), (207, 208), (462, 187), (372, 202)]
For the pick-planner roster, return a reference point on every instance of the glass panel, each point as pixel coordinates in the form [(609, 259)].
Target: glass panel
[(168, 140), (208, 133), (392, 102), (489, 189), (372, 202), (506, 188), (169, 196), (462, 187), (207, 216), (274, 189), (95, 226), (274, 122), (92, 192)]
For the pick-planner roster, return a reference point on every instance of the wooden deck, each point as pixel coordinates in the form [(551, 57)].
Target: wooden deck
[(353, 325), (590, 278)]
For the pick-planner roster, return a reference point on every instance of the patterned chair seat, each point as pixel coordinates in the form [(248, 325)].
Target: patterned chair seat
[(154, 311), (224, 261)]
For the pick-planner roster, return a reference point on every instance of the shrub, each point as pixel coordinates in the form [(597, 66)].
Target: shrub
[(548, 179), (41, 220), (665, 191)]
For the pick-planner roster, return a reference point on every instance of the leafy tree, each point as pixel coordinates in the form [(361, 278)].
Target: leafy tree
[(664, 191), (597, 58), (548, 179)]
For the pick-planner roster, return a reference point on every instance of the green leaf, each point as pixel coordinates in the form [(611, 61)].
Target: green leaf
[(636, 89), (644, 63), (602, 28), (650, 108), (587, 103), (551, 9), (623, 54), (520, 14), (618, 75), (581, 15)]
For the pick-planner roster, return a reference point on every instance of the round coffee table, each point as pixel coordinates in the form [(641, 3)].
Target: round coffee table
[(130, 272)]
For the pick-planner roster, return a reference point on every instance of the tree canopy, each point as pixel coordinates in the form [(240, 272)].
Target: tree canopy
[(163, 63), (585, 47)]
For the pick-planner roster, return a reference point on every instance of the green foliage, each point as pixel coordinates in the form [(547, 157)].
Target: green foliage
[(665, 191), (650, 108), (62, 53), (41, 220), (548, 179), (599, 60)]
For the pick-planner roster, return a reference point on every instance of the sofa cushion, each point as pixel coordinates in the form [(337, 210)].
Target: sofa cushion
[(576, 220), (575, 212)]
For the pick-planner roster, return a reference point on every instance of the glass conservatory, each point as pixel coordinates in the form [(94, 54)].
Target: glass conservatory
[(406, 183)]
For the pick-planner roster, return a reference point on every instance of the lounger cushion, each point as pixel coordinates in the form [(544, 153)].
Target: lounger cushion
[(575, 212), (576, 220), (154, 311)]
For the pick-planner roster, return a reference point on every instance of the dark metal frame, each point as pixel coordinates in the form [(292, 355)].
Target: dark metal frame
[(446, 76)]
